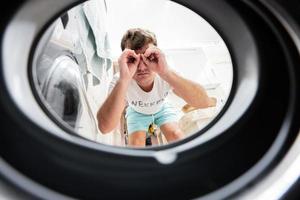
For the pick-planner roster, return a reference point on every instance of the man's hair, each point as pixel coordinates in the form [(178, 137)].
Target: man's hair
[(136, 38)]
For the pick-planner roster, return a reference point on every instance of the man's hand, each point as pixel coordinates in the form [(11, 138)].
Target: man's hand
[(128, 63), (155, 59)]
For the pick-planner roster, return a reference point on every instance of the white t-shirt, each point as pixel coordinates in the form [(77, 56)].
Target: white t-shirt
[(145, 102)]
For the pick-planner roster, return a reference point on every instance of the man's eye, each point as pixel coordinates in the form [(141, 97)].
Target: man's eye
[(131, 60)]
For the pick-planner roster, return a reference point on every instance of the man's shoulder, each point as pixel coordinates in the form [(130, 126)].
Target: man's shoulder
[(116, 75), (162, 83), (113, 81), (115, 78)]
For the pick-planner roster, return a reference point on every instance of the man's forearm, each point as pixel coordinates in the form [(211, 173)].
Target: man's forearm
[(110, 112), (193, 93)]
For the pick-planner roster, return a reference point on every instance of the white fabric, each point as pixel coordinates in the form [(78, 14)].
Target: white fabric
[(96, 14), (145, 102)]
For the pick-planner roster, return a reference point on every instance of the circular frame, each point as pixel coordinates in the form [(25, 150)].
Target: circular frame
[(78, 159)]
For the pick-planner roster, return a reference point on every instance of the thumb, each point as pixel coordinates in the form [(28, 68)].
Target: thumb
[(138, 58), (145, 60)]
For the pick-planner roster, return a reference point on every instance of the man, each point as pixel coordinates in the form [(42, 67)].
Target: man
[(144, 82)]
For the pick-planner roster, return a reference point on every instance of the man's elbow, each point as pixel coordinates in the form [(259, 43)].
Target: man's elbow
[(102, 125), (103, 129)]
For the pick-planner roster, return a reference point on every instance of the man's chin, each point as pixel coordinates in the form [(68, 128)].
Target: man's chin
[(144, 80)]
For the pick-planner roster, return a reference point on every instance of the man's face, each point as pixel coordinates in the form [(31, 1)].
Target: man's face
[(143, 76)]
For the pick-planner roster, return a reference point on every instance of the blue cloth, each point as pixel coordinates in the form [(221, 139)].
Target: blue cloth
[(140, 122)]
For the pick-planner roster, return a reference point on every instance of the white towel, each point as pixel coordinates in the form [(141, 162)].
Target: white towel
[(96, 14)]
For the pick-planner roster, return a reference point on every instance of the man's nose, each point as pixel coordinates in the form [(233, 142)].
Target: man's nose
[(142, 66)]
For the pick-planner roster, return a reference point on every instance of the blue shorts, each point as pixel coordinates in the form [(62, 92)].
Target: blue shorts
[(140, 122)]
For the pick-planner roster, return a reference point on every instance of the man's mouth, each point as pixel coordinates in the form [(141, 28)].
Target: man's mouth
[(142, 74)]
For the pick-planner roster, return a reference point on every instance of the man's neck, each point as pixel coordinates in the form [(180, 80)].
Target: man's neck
[(147, 88)]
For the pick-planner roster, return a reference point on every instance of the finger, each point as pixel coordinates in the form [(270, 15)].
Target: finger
[(145, 60), (133, 68), (122, 60), (152, 57), (124, 55), (148, 52), (136, 59), (132, 58), (128, 52), (151, 50)]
